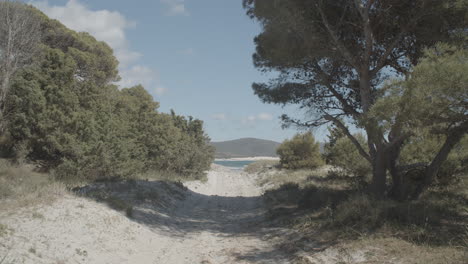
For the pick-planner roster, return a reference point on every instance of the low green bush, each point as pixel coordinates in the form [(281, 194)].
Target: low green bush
[(300, 152)]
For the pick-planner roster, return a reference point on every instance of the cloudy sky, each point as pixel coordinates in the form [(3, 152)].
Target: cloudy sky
[(194, 56)]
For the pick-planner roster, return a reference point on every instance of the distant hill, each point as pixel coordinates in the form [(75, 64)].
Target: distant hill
[(245, 147)]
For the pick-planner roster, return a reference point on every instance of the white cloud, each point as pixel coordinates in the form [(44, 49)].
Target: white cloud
[(137, 75), (110, 27), (251, 118), (104, 25), (175, 7), (160, 90), (255, 118), (265, 117), (187, 51), (219, 116)]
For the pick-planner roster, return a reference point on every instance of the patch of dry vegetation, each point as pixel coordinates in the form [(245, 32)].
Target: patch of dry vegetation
[(261, 166), (170, 176), (20, 186), (274, 178), (130, 195), (3, 230), (331, 212)]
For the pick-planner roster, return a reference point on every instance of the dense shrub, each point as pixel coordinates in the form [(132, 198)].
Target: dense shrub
[(300, 152), (65, 113)]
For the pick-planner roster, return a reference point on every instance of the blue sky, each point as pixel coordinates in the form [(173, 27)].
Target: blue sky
[(194, 56)]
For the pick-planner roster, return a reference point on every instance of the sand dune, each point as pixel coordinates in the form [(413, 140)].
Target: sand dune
[(219, 221)]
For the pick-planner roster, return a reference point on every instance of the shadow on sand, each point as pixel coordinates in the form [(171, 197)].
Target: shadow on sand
[(173, 210)]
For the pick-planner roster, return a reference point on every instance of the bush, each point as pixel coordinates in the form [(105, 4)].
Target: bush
[(66, 113), (300, 152), (360, 212), (344, 154)]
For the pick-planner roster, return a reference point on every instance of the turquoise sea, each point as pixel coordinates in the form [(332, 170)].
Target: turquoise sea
[(235, 164)]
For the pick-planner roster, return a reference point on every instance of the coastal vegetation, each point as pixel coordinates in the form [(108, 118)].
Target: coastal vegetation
[(389, 80), (391, 69), (63, 112)]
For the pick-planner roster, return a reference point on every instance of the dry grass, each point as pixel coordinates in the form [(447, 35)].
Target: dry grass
[(384, 251), (169, 176), (261, 166), (20, 186), (328, 207), (274, 178)]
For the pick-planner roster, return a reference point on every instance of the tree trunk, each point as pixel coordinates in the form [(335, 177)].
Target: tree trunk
[(379, 174), (396, 192), (5, 86), (3, 94), (431, 171)]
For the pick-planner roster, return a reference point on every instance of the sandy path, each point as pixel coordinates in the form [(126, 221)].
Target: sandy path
[(219, 221), (222, 218)]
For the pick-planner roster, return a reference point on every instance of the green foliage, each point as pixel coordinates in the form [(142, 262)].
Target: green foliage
[(431, 107), (433, 98), (300, 152), (333, 57), (424, 146), (66, 114), (320, 51), (334, 134), (343, 154)]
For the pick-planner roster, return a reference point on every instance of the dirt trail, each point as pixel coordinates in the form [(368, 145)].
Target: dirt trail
[(218, 221)]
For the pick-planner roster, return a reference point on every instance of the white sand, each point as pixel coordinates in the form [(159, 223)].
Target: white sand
[(219, 221)]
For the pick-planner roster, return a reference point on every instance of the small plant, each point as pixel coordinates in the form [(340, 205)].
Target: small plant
[(81, 252), (3, 230), (117, 203), (37, 215), (129, 212), (120, 205)]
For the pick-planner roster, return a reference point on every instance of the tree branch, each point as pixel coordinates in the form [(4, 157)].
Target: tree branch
[(381, 62), (345, 130), (335, 38), (325, 81)]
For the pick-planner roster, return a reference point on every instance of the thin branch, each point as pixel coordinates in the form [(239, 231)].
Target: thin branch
[(325, 81), (345, 130), (335, 38), (382, 61)]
